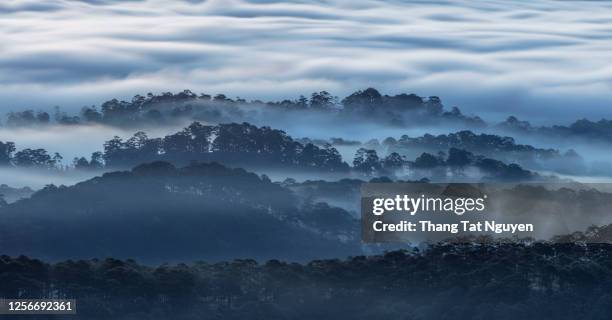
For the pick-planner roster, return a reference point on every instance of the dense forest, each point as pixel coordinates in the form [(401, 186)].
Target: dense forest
[(160, 213), (306, 160), (252, 147), (367, 105), (208, 207), (501, 147), (446, 281), (169, 107), (586, 129), (253, 134)]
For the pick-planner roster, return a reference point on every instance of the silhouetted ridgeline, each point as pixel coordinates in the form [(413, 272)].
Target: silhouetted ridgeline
[(484, 144), (583, 129), (501, 148), (492, 146), (512, 281), (234, 144), (457, 165), (367, 105), (159, 213), (38, 158), (252, 147)]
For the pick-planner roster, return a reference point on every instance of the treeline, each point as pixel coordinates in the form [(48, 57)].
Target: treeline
[(582, 129), (452, 165), (502, 148), (485, 144), (235, 144), (490, 145), (492, 281), (30, 117), (169, 107), (250, 146), (28, 158), (39, 158), (366, 105), (253, 147)]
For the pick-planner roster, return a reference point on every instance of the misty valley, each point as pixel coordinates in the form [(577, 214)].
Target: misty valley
[(365, 126), (300, 160), (211, 207)]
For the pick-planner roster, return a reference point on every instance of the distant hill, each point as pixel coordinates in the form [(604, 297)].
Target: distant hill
[(580, 129), (13, 194), (367, 105), (493, 146)]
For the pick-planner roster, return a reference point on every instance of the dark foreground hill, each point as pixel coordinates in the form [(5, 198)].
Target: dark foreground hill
[(513, 281), (157, 212)]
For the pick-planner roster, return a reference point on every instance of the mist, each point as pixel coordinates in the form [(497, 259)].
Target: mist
[(533, 58), (38, 178), (355, 131)]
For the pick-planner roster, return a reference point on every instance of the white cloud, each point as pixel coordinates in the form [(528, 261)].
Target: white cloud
[(495, 57)]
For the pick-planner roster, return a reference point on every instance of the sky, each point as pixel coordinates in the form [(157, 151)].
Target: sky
[(540, 60)]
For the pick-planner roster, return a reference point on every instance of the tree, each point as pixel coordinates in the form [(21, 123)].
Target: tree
[(459, 158), (221, 98), (6, 153), (426, 161), (36, 158), (393, 161), (403, 102), (366, 161), (43, 117), (97, 160), (302, 103), (56, 160), (23, 118), (322, 100), (113, 152), (434, 105), (137, 141), (91, 114), (366, 101), (80, 163)]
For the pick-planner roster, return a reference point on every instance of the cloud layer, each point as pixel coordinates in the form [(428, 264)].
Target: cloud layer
[(529, 58)]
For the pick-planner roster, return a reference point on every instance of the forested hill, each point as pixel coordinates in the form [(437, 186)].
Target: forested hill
[(494, 146), (263, 148), (588, 130), (234, 144), (160, 213), (368, 105), (512, 281)]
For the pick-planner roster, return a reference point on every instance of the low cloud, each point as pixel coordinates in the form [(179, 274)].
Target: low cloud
[(495, 58)]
